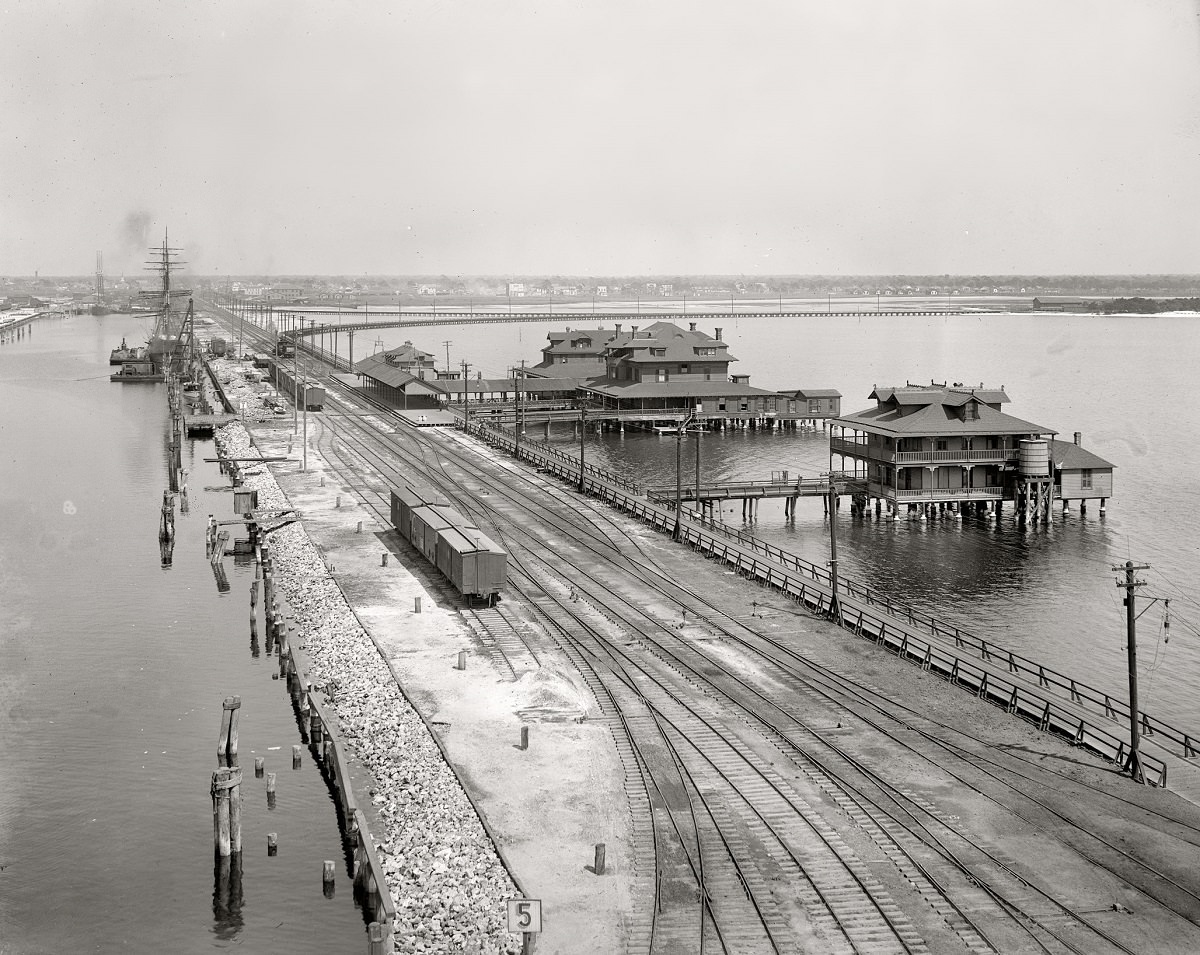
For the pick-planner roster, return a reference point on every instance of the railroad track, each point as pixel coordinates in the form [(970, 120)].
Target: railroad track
[(680, 720)]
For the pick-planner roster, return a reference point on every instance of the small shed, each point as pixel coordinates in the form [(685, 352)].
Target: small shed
[(814, 402), (1080, 475)]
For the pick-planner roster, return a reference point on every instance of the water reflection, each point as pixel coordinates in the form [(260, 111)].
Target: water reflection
[(228, 897)]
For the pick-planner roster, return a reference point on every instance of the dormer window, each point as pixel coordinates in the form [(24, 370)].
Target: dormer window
[(971, 411)]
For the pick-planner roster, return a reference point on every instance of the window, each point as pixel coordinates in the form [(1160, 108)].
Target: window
[(814, 406), (1085, 479), (706, 352), (662, 374), (941, 445), (683, 369), (971, 411)]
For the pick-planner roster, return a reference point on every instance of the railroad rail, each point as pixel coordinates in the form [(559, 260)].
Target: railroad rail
[(680, 715)]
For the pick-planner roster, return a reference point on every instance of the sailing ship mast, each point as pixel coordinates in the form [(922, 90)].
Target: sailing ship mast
[(173, 338)]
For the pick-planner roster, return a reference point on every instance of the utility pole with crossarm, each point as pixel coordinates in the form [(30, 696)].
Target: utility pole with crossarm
[(1133, 762)]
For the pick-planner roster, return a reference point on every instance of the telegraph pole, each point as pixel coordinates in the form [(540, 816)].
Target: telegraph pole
[(582, 436), (678, 478), (1133, 762), (447, 343), (466, 398), (295, 374), (835, 605), (518, 420)]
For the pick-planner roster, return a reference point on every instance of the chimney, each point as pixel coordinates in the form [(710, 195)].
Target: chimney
[(618, 328), (1079, 439), (718, 335), (691, 326), (633, 328)]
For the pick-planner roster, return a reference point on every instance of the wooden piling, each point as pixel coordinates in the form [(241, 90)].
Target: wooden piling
[(524, 737), (227, 810), (223, 736), (234, 705), (462, 660), (296, 756), (598, 866), (259, 765), (272, 843), (327, 878)]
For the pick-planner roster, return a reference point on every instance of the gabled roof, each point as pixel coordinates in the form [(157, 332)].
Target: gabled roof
[(678, 345), (811, 392), (938, 418), (560, 341), (1068, 456), (955, 395), (380, 371), (392, 359)]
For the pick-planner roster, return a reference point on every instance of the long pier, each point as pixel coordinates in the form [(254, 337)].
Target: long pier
[(433, 317)]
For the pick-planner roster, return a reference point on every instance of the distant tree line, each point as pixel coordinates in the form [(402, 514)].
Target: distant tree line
[(1149, 306)]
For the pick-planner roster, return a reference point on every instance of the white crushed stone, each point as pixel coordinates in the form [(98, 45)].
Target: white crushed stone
[(259, 398), (443, 872)]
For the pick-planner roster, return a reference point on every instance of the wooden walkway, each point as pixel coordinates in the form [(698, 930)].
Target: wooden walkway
[(734, 490)]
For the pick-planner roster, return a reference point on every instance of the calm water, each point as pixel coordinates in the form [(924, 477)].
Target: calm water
[(112, 673), (1046, 591)]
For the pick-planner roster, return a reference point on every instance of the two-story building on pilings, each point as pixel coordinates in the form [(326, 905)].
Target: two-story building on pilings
[(931, 447), (656, 374)]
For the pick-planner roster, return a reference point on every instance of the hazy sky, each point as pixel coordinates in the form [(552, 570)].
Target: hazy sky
[(605, 137)]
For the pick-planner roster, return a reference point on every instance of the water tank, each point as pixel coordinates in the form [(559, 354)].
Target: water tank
[(1035, 458)]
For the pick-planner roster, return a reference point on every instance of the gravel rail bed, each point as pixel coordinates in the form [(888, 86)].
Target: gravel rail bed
[(445, 876)]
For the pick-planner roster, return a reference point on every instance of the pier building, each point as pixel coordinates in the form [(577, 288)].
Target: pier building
[(924, 446), (578, 353), (668, 371)]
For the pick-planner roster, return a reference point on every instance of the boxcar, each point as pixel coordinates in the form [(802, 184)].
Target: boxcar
[(456, 559), (471, 561), (426, 522), (403, 501), (491, 565)]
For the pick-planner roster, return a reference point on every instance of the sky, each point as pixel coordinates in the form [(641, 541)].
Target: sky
[(623, 137)]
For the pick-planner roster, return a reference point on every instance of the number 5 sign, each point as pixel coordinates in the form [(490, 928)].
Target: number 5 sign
[(524, 915)]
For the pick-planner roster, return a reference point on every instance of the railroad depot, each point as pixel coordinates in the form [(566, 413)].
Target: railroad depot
[(933, 446)]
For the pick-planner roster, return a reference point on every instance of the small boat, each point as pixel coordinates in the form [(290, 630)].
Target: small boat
[(138, 371), (126, 353)]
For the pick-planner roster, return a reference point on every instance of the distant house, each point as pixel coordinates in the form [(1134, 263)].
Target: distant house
[(515, 289), (1056, 304)]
